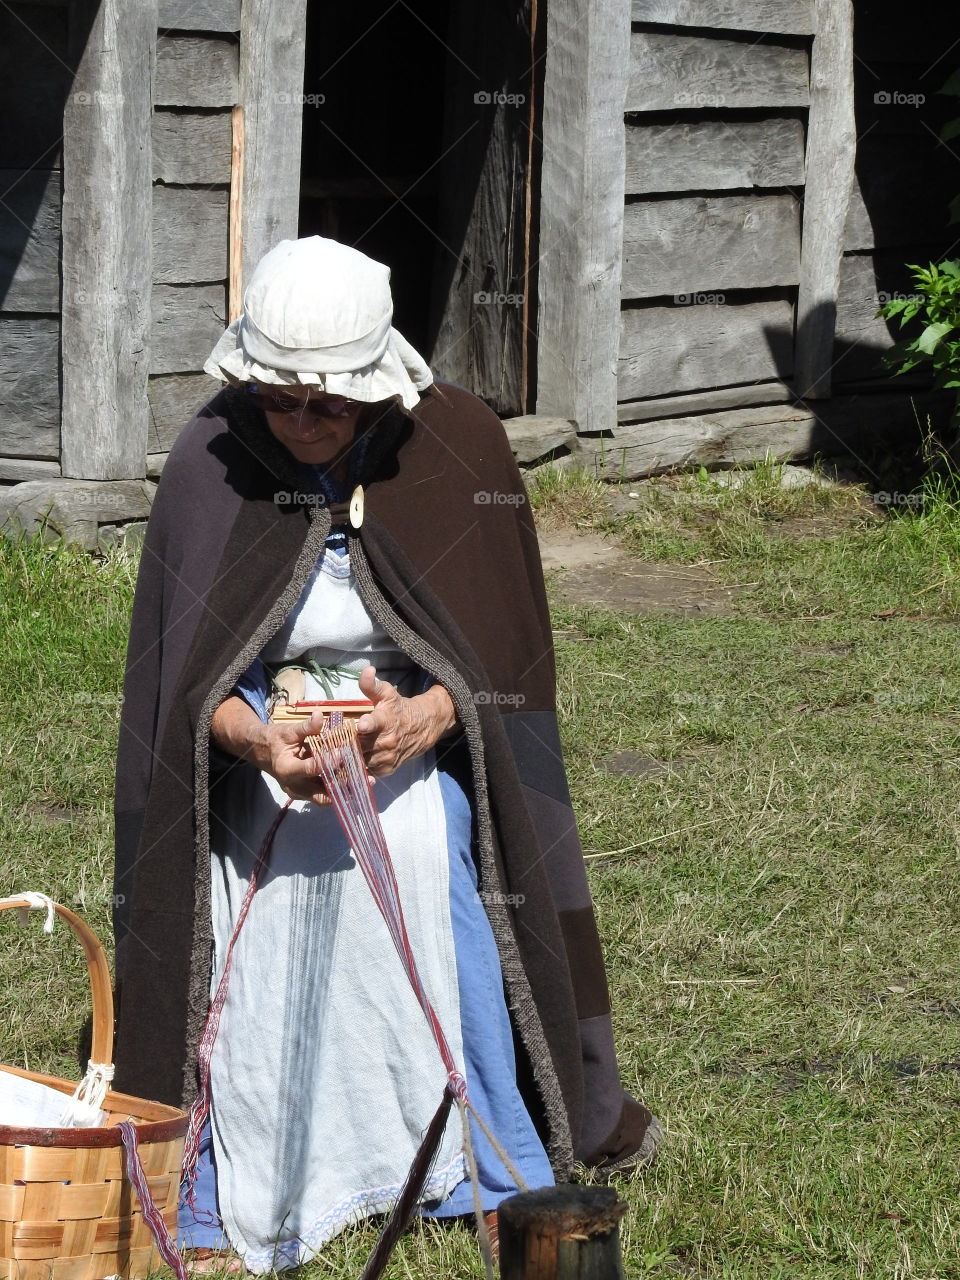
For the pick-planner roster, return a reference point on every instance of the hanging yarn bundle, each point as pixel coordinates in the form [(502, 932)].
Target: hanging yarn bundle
[(341, 765)]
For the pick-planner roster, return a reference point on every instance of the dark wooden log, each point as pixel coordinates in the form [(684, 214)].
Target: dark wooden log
[(561, 1233), (189, 235), (710, 243), (786, 17), (191, 147), (689, 347), (107, 259), (197, 71), (831, 151), (581, 211), (271, 90), (713, 155), (187, 321), (699, 72), (30, 240)]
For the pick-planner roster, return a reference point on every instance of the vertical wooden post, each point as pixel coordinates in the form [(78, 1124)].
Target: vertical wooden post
[(272, 42), (107, 242), (831, 153), (581, 210), (235, 281), (561, 1233)]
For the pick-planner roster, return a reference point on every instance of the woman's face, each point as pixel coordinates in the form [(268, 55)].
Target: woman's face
[(317, 428)]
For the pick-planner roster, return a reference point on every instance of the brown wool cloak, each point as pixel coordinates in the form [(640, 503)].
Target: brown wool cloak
[(447, 561)]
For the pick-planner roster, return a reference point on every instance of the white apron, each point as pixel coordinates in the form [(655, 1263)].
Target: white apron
[(325, 1073)]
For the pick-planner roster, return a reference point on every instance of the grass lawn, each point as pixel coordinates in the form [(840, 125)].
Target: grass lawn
[(768, 801)]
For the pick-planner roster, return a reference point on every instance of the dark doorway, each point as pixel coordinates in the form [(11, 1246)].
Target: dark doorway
[(372, 124), (416, 150)]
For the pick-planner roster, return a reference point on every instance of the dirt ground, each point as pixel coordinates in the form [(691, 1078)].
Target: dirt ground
[(592, 569)]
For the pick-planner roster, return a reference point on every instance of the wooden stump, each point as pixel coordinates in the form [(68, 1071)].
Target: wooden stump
[(561, 1233)]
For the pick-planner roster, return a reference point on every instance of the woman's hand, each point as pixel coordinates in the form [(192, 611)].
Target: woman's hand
[(399, 728), (277, 749)]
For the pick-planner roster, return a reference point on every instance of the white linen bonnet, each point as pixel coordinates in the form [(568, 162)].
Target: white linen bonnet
[(318, 313)]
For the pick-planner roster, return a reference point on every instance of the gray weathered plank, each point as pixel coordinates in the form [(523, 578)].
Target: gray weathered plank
[(726, 439), (197, 71), (20, 470), (781, 17), (699, 402), (581, 211), (189, 235), (187, 321), (713, 155), (687, 348), (107, 258), (173, 401), (30, 240), (711, 439), (35, 76), (271, 86), (199, 15), (710, 243), (29, 387), (696, 72), (831, 152), (190, 147)]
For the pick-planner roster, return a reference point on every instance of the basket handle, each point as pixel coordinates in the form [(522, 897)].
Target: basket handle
[(101, 990)]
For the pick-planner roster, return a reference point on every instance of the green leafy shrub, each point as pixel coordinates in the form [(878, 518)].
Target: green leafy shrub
[(936, 305)]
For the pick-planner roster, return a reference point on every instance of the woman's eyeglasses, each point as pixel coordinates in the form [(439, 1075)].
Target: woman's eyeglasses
[(282, 402)]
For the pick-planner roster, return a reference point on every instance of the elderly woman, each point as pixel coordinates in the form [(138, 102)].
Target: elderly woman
[(336, 513)]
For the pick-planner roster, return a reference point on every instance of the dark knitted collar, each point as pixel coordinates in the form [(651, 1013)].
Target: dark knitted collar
[(372, 456)]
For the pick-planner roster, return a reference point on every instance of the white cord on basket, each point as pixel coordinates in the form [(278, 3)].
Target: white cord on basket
[(85, 1108), (35, 902)]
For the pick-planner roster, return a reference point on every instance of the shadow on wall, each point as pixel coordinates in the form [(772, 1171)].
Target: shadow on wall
[(40, 47), (905, 176), (880, 425)]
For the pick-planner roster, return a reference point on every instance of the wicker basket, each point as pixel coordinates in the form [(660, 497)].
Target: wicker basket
[(67, 1208)]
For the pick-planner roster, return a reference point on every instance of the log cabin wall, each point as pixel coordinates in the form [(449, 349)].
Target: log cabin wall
[(196, 87), (717, 110), (748, 289), (212, 57), (31, 107), (688, 157), (115, 229)]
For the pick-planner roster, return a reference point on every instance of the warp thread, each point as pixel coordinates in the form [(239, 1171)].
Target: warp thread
[(151, 1214), (344, 772)]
